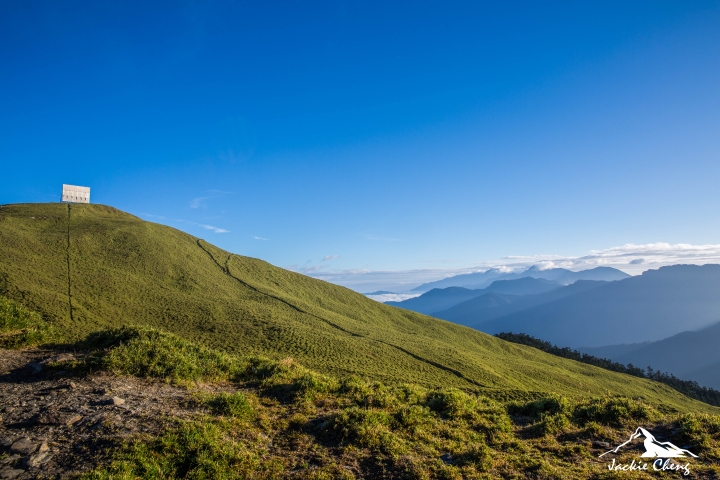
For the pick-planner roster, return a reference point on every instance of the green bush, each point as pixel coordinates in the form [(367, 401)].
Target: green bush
[(366, 428), (552, 424), (22, 327), (367, 394), (412, 417), (145, 352), (451, 403), (536, 409), (477, 455), (698, 431), (194, 449), (231, 404), (612, 411)]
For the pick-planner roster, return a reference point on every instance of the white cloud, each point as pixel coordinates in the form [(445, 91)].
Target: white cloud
[(631, 258), (201, 225), (330, 257), (261, 238), (198, 202), (393, 297), (210, 227)]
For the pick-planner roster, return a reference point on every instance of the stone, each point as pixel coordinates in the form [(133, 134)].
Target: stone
[(63, 357), (10, 459), (598, 444), (5, 442), (73, 420), (38, 459), (23, 446), (10, 473), (43, 448), (117, 401)]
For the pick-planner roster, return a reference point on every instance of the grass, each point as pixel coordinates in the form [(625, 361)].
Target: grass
[(92, 267), (22, 327), (278, 419)]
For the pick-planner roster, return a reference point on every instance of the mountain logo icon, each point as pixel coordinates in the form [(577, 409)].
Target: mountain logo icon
[(653, 447)]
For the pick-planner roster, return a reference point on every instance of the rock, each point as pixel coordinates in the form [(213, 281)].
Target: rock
[(73, 420), (100, 391), (116, 401), (5, 442), (10, 473), (63, 357), (43, 448), (38, 459), (9, 409), (597, 444), (10, 459), (23, 446)]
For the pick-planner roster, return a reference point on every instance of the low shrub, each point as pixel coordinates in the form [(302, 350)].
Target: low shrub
[(22, 327), (698, 431), (146, 352), (452, 403), (194, 449), (230, 404), (612, 411), (367, 428), (477, 455), (412, 417), (536, 409)]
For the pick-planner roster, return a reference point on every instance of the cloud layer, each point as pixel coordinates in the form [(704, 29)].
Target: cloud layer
[(631, 258)]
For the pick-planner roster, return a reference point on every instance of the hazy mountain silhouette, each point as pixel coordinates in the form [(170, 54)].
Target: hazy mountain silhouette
[(653, 447), (437, 299), (560, 275), (648, 307), (687, 355), (443, 298), (478, 310)]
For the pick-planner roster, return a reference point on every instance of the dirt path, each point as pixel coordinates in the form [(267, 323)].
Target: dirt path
[(55, 425)]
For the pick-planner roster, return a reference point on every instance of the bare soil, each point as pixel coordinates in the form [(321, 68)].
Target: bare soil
[(56, 425)]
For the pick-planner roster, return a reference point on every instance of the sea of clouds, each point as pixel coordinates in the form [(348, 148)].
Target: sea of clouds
[(630, 258)]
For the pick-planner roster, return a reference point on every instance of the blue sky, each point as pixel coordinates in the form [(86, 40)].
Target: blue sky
[(376, 143)]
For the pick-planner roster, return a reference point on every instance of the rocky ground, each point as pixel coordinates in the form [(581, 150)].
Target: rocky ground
[(56, 425)]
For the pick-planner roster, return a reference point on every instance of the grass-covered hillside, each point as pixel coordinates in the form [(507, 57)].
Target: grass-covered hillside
[(89, 267), (134, 403)]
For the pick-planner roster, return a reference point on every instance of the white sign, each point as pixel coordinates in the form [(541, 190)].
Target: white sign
[(75, 194)]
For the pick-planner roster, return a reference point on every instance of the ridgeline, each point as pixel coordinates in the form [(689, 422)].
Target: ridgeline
[(91, 267)]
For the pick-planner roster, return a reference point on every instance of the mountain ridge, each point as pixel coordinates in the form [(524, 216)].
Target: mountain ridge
[(90, 267), (673, 298), (561, 275)]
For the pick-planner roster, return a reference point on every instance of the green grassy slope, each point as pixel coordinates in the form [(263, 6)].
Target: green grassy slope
[(87, 267)]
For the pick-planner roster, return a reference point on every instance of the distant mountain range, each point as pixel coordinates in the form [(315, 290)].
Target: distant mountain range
[(645, 308), (474, 281), (84, 268), (440, 299), (648, 307), (687, 355), (476, 311)]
